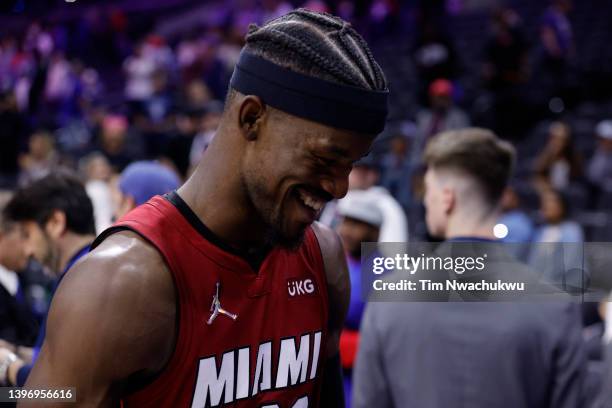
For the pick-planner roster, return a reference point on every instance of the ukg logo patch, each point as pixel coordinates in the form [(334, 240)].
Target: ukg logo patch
[(301, 287)]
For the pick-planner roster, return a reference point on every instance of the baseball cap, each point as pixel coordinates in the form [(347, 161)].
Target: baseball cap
[(144, 179), (441, 87), (361, 205)]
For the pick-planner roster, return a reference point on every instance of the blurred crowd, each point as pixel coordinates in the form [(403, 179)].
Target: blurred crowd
[(121, 105)]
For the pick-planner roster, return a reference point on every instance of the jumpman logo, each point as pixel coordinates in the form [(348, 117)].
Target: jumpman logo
[(216, 308)]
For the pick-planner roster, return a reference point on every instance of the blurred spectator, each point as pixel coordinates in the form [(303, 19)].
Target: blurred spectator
[(599, 171), (441, 116), (366, 176), (58, 217), (556, 33), (13, 133), (139, 70), (17, 324), (554, 257), (396, 169), (197, 94), (40, 159), (139, 182), (506, 52), (557, 38), (520, 226), (97, 172), (434, 56), (360, 222), (558, 164), (505, 71), (188, 124), (117, 143), (204, 137)]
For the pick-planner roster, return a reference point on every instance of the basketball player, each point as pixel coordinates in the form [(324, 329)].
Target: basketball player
[(225, 292)]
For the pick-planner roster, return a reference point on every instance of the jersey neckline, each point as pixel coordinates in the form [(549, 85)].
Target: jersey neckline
[(254, 261)]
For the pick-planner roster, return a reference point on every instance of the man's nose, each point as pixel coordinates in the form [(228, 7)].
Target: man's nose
[(337, 186)]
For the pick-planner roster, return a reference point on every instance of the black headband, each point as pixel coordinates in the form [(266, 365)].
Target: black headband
[(340, 106)]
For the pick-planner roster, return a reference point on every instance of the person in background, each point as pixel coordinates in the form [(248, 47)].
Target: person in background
[(97, 172), (210, 123), (13, 133), (188, 124), (599, 169), (520, 226), (505, 72), (139, 182), (555, 254), (558, 164), (435, 56), (483, 354), (360, 222), (397, 169), (40, 159), (557, 42), (18, 326), (57, 215), (117, 143), (365, 176), (442, 115)]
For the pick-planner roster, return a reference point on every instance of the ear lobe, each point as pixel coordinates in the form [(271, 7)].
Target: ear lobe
[(251, 113)]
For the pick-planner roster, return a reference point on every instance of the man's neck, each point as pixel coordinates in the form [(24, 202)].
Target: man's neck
[(475, 225), (69, 245), (214, 194)]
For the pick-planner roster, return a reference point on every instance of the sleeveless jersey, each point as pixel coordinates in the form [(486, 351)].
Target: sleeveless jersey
[(271, 355)]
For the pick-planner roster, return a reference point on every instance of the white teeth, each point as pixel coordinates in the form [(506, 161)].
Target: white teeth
[(311, 201)]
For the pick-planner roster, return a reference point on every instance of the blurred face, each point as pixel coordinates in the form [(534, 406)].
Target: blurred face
[(42, 246), (399, 146), (99, 169), (293, 168), (15, 248), (40, 146), (437, 201), (353, 232), (552, 208), (559, 136), (440, 102)]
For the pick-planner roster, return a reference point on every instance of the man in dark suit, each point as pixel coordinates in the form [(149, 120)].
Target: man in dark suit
[(469, 354), (17, 324)]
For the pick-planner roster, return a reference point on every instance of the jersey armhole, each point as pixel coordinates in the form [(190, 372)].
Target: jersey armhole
[(135, 383)]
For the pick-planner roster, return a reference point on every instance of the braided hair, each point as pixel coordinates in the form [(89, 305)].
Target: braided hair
[(319, 45)]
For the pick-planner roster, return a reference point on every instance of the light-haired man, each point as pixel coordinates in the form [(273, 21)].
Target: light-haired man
[(434, 355)]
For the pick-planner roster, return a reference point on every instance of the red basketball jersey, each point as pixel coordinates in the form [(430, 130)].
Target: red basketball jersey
[(272, 354)]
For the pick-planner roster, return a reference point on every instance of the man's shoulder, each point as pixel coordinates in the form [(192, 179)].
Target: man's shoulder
[(123, 252), (120, 266)]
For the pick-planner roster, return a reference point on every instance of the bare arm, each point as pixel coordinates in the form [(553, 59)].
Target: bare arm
[(339, 294), (112, 317)]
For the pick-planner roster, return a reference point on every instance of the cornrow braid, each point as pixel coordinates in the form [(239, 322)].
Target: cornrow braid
[(317, 44)]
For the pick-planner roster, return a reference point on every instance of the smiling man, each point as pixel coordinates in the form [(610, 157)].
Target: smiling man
[(225, 292)]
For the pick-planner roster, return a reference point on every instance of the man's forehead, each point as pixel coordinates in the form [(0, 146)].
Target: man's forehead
[(340, 143)]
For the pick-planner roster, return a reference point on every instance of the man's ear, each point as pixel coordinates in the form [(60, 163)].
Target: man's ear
[(449, 198), (251, 113), (56, 224)]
